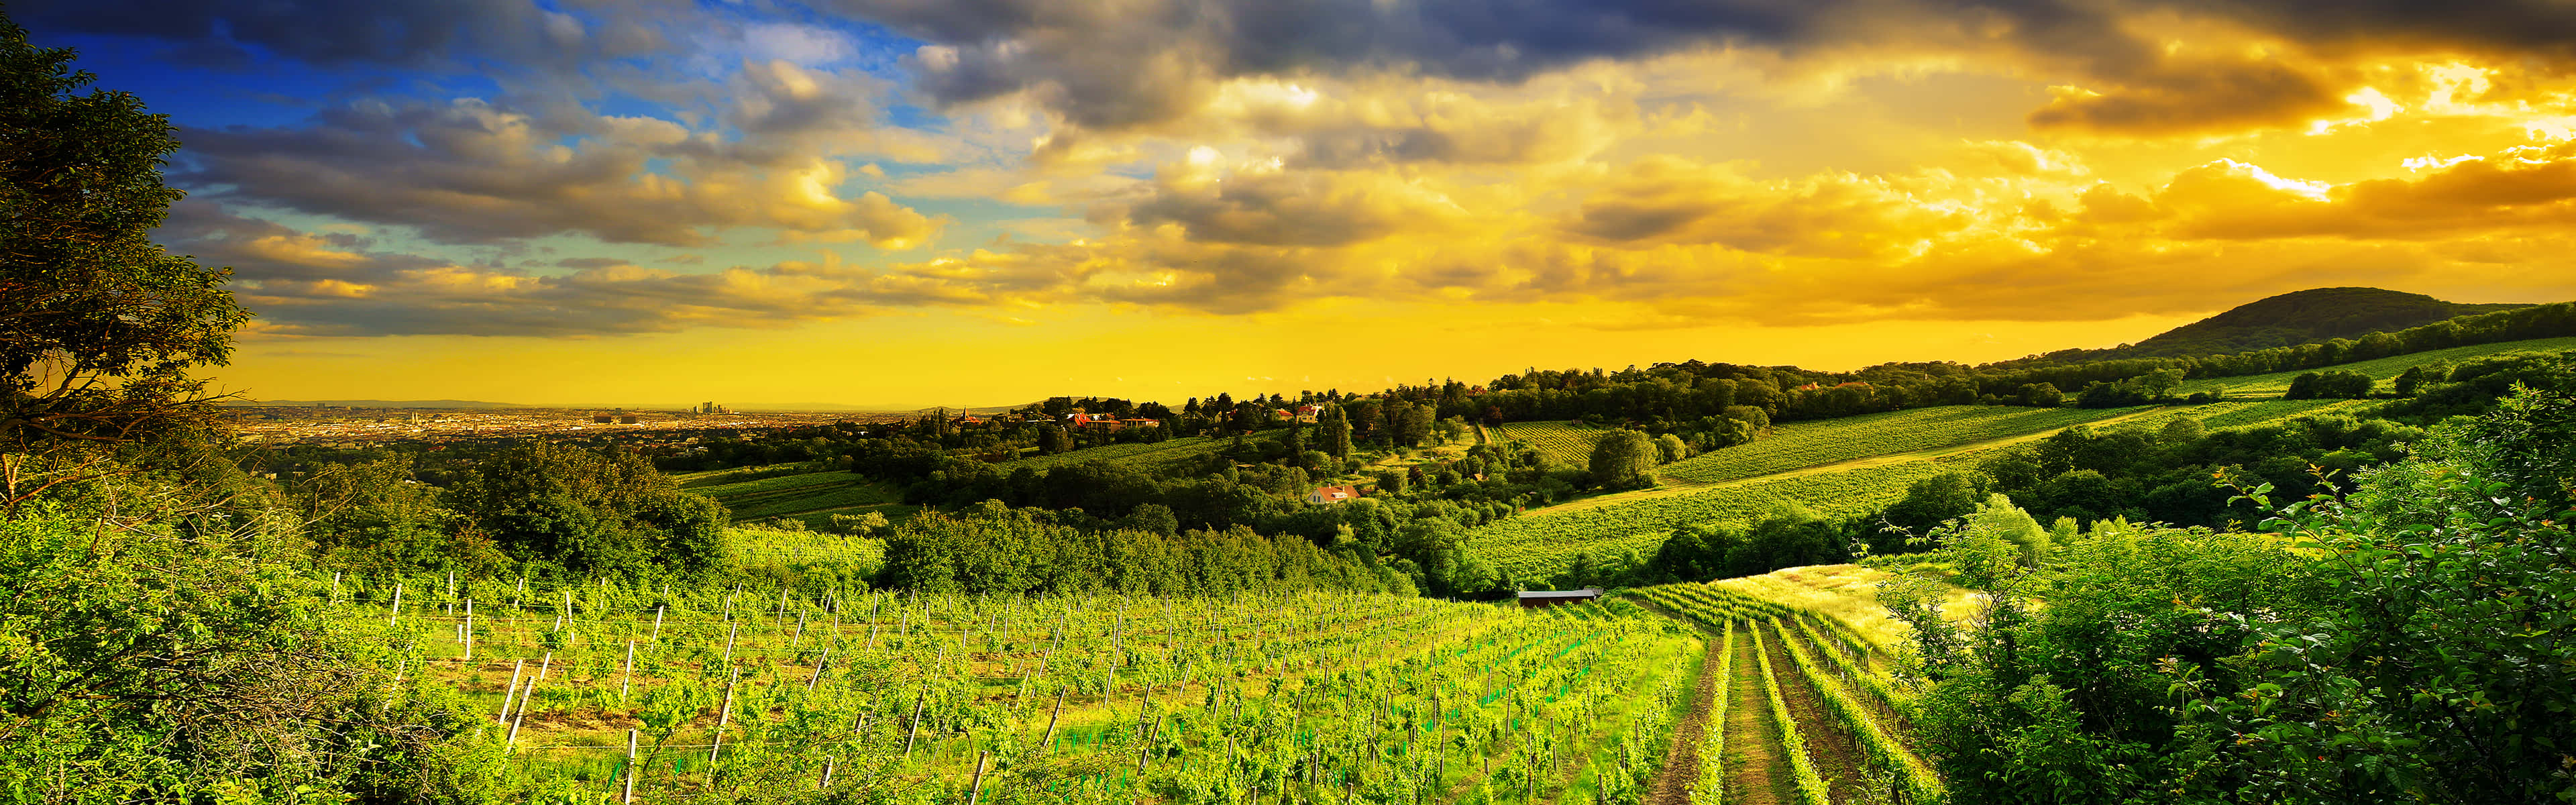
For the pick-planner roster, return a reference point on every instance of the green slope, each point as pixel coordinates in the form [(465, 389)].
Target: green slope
[(2272, 385)]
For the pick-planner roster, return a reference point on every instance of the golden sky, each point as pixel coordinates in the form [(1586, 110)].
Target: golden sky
[(984, 202)]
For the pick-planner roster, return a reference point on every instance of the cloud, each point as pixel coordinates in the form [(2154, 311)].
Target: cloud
[(2532, 187), (304, 284), (1268, 206), (409, 33), (2192, 98), (1665, 200), (472, 171)]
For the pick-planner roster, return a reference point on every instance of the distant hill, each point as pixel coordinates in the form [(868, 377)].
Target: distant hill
[(2301, 317)]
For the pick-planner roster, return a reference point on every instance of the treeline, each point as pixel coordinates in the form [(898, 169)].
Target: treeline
[(2147, 472), (994, 549)]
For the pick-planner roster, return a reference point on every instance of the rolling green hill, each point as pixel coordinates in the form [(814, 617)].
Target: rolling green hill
[(2272, 385), (2302, 317)]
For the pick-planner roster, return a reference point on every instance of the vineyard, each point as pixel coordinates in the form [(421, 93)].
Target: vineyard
[(1542, 543), (687, 694), (1565, 444), (2240, 414), (1807, 709), (1806, 444), (2382, 369), (811, 496)]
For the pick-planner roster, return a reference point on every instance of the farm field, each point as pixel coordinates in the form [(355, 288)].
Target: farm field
[(1869, 462), (2382, 369), (1806, 709), (2240, 414), (1795, 445), (1565, 444), (686, 693), (1540, 544), (1142, 455), (812, 497)]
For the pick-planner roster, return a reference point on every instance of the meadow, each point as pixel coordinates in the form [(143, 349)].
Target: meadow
[(1796, 445), (1542, 543), (2382, 369)]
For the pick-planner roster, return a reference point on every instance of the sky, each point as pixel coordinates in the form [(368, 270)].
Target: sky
[(988, 202)]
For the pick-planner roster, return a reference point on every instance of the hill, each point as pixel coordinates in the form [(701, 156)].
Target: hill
[(2302, 317)]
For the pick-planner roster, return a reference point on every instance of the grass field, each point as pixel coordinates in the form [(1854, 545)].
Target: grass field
[(1542, 543), (1152, 458), (1565, 444), (813, 497), (2383, 369), (1806, 444)]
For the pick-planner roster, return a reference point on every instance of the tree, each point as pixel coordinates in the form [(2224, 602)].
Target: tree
[(1930, 502), (1669, 448), (1333, 433), (1623, 459), (2160, 383), (1051, 439), (98, 325), (608, 512)]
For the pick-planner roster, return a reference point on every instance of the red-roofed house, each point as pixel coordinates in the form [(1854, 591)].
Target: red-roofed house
[(1333, 494)]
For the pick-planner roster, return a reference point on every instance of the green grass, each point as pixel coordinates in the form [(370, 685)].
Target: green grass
[(2382, 369), (1806, 444), (798, 494), (2240, 414), (1565, 444), (1151, 457), (1542, 544)]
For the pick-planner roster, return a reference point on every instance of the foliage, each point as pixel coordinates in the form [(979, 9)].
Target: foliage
[(1623, 459), (2415, 642), (591, 513), (1543, 544), (1806, 444), (151, 654), (98, 325), (2330, 385), (993, 549)]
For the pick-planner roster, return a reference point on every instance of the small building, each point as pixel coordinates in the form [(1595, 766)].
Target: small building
[(1333, 494), (1141, 423), (599, 419), (1534, 599)]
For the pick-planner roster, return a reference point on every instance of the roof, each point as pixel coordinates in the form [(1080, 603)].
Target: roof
[(1337, 492), (1588, 592)]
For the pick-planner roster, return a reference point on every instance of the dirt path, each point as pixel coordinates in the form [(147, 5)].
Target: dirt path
[(1668, 487), (1756, 773), (1681, 761)]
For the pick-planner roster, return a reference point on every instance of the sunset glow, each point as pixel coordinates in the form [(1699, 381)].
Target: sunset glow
[(927, 202)]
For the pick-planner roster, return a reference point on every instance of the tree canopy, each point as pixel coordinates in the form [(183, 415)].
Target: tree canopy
[(98, 325)]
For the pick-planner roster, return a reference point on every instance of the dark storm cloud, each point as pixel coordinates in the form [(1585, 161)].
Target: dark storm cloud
[(1117, 65), (471, 171), (2191, 98), (410, 33)]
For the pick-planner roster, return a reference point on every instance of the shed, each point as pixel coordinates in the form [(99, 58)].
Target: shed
[(1532, 599)]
